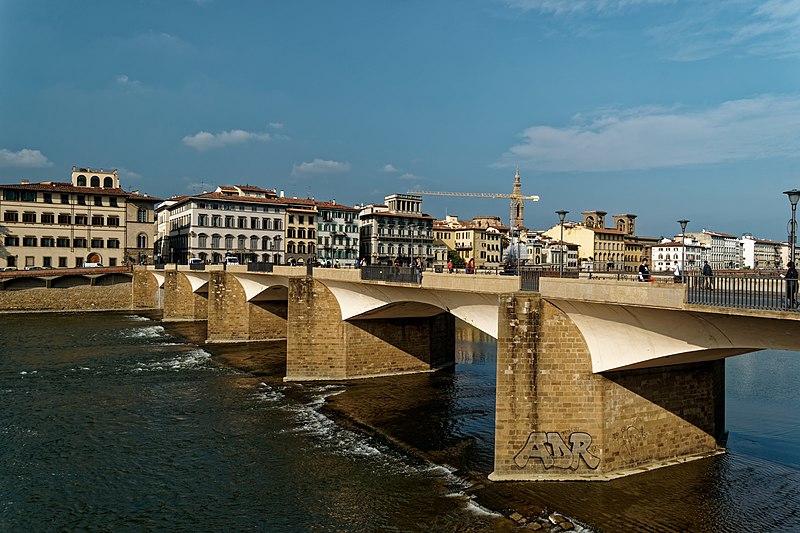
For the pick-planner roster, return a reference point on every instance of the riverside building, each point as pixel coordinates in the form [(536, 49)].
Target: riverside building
[(396, 231), (91, 219), (337, 234), (242, 221)]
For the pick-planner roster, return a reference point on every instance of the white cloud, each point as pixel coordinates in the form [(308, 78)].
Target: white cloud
[(24, 158), (645, 138), (410, 177), (204, 140), (276, 125), (123, 79), (390, 169), (320, 166)]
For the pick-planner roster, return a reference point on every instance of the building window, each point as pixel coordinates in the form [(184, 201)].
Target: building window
[(97, 243), (113, 201), (48, 242), (254, 243), (65, 198), (95, 181), (113, 243), (98, 201), (108, 182), (79, 242), (48, 218), (141, 241), (242, 222), (215, 242), (216, 221), (97, 220), (62, 242), (113, 221), (141, 215), (202, 240), (228, 222), (64, 219), (240, 242), (112, 261), (28, 196), (81, 220), (47, 197), (81, 199), (62, 262), (202, 220), (29, 241), (11, 216), (11, 241), (228, 242)]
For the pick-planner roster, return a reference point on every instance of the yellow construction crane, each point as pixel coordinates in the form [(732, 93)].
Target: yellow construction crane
[(479, 195)]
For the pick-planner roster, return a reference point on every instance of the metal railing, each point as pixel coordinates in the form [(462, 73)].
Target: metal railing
[(529, 277), (395, 274), (259, 266), (742, 292)]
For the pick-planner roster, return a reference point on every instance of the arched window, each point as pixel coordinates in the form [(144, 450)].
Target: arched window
[(312, 234), (81, 181), (265, 244), (241, 241), (108, 182), (277, 245), (301, 233), (290, 248), (95, 181), (253, 242), (290, 233), (141, 241), (228, 242), (311, 248), (215, 240), (301, 247), (202, 240)]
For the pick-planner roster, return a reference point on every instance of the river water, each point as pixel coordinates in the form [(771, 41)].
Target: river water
[(116, 422)]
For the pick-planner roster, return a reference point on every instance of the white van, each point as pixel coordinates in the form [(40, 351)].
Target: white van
[(195, 261), (231, 260), (93, 265)]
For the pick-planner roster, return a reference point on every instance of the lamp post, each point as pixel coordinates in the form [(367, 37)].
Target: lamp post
[(561, 214), (683, 223), (794, 196)]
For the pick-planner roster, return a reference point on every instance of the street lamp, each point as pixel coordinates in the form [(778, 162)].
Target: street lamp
[(683, 223), (561, 214), (794, 196)]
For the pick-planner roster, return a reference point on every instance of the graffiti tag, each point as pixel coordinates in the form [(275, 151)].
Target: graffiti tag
[(551, 449)]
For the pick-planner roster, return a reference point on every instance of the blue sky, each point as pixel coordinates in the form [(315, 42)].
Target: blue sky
[(667, 109)]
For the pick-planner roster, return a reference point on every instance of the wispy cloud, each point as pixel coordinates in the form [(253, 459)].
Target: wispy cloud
[(389, 169), (410, 177), (204, 140), (646, 138), (320, 166), (564, 7), (24, 158)]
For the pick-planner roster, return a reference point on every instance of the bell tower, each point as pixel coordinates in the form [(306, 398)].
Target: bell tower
[(517, 218)]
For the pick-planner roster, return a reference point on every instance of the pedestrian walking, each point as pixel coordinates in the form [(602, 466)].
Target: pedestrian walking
[(791, 285), (708, 276), (676, 273), (644, 271)]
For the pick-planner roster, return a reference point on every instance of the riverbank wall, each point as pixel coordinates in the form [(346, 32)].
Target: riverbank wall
[(80, 298)]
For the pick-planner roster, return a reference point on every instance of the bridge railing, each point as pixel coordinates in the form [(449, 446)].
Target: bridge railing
[(529, 277), (393, 274), (742, 292)]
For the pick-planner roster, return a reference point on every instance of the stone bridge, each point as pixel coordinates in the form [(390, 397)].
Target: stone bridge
[(595, 379)]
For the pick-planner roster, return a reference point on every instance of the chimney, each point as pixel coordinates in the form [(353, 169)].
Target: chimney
[(281, 194), (24, 182)]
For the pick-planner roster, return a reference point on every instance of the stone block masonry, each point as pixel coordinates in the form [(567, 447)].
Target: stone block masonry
[(180, 300), (231, 318), (79, 298), (556, 420), (145, 290), (321, 346)]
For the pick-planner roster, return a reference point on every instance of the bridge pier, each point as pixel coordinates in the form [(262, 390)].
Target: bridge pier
[(322, 346), (145, 288), (232, 318), (557, 420), (181, 300)]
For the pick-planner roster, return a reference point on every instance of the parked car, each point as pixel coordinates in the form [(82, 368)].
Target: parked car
[(231, 260), (33, 267), (195, 261), (8, 269)]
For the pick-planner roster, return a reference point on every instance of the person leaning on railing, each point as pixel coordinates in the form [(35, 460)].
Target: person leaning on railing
[(708, 276)]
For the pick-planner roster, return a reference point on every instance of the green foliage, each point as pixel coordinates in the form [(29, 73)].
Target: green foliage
[(457, 260)]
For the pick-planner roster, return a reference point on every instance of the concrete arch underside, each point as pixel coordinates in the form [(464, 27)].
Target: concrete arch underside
[(362, 301), (626, 337), (261, 288)]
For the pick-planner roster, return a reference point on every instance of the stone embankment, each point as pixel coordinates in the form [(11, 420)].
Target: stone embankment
[(80, 298)]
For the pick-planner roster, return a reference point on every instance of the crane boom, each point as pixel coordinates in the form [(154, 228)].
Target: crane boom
[(478, 195)]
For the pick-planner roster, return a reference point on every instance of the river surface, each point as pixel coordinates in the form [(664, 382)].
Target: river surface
[(114, 422)]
